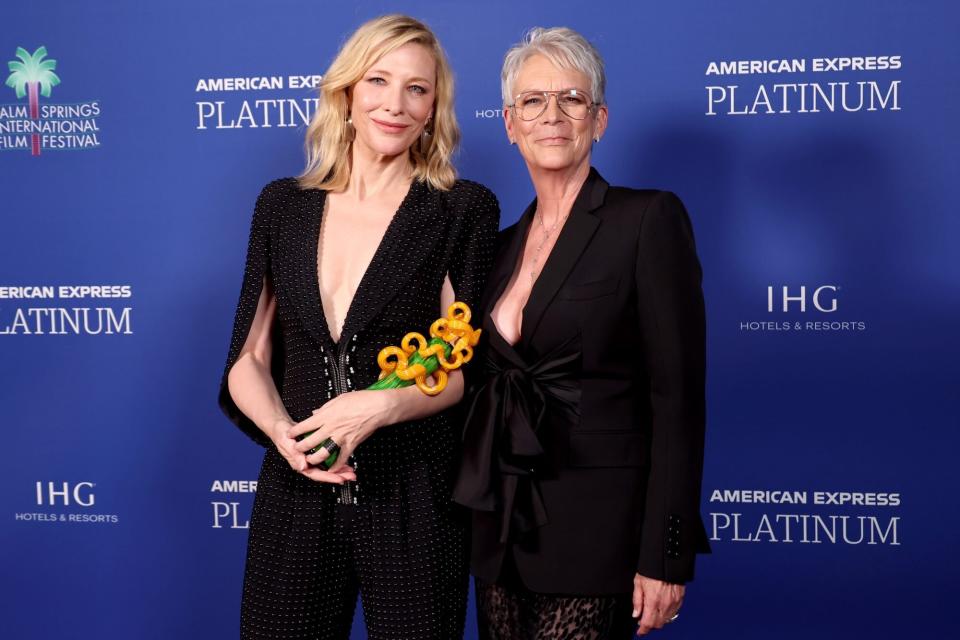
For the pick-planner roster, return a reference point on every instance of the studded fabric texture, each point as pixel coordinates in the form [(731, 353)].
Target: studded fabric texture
[(393, 536)]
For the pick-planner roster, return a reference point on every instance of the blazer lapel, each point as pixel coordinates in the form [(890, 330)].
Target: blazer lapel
[(302, 241), (573, 239)]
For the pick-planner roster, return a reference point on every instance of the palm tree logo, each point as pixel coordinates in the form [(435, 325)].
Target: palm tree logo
[(33, 76)]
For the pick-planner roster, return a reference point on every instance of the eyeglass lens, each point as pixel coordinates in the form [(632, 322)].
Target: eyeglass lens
[(532, 104)]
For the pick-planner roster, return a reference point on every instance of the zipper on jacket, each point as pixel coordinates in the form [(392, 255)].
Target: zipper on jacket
[(346, 492)]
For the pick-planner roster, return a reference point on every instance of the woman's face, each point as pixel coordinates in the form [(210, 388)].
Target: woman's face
[(554, 140), (393, 101)]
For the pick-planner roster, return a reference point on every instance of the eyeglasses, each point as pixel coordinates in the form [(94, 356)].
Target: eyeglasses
[(530, 105)]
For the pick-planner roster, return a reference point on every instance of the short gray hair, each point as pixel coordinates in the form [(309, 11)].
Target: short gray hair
[(565, 48)]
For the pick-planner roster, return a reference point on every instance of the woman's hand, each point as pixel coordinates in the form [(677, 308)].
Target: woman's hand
[(655, 602), (287, 446), (348, 420)]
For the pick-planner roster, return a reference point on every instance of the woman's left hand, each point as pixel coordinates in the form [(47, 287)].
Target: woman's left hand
[(655, 602), (348, 420)]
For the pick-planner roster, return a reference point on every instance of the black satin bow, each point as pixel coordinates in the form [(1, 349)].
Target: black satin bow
[(501, 452)]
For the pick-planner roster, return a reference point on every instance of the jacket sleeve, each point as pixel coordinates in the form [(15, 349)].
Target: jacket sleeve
[(257, 268), (673, 334), (473, 256)]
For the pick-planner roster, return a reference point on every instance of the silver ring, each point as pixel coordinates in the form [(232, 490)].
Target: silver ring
[(332, 447)]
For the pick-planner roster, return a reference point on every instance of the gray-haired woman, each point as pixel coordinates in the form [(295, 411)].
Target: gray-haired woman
[(583, 448)]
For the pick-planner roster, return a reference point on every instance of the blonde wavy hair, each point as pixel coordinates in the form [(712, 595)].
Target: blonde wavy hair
[(329, 137)]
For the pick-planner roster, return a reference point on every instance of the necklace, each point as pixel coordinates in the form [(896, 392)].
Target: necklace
[(546, 236)]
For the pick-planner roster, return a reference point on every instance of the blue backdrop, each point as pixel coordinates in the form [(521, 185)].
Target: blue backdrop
[(813, 142)]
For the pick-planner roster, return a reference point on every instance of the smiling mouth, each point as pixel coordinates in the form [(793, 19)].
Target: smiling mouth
[(554, 140), (388, 127)]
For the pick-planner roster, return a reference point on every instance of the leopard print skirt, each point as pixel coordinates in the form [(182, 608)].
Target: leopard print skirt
[(515, 613)]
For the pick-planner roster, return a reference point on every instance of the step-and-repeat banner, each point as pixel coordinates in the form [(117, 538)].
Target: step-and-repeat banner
[(814, 143)]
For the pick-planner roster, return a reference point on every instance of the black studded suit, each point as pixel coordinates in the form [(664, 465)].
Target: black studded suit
[(394, 535), (583, 450)]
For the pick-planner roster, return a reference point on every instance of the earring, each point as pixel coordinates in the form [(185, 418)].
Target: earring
[(426, 135), (596, 138), (351, 132)]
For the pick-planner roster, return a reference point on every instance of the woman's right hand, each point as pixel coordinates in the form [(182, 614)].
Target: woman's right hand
[(297, 460)]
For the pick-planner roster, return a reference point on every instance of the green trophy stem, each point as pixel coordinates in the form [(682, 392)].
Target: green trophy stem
[(391, 381)]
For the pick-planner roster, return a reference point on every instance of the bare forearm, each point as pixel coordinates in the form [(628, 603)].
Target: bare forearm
[(410, 403), (255, 393)]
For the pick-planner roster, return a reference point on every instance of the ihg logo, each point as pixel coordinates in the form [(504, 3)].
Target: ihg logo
[(52, 493), (822, 298)]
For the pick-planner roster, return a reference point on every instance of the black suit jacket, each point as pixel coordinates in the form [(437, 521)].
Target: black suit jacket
[(617, 487)]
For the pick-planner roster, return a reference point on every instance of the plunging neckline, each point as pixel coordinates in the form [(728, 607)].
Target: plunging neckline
[(382, 248), (495, 330), (523, 228)]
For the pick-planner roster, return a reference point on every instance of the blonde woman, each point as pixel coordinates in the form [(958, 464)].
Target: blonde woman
[(375, 239)]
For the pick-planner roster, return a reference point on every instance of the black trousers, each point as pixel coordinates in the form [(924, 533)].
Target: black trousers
[(402, 549)]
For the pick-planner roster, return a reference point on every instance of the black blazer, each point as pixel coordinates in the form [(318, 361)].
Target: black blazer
[(583, 449)]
